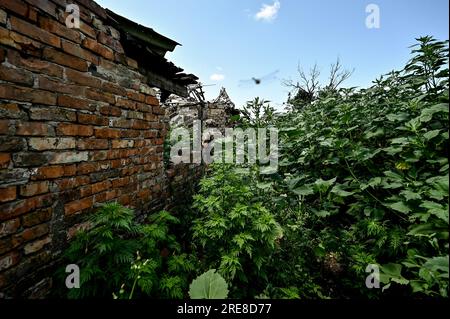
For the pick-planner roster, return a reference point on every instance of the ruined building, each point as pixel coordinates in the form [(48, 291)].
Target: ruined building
[(83, 121)]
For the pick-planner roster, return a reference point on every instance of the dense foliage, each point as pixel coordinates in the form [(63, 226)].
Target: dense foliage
[(362, 180), (121, 258)]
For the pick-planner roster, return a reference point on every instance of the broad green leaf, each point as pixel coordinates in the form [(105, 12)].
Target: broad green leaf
[(438, 264), (209, 285), (431, 134), (436, 209), (400, 207), (304, 190), (337, 189), (409, 195)]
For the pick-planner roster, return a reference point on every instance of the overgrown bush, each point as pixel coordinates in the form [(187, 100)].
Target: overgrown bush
[(121, 258), (237, 233), (365, 175)]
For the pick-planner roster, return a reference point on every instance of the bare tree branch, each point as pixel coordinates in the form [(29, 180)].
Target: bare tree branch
[(337, 75)]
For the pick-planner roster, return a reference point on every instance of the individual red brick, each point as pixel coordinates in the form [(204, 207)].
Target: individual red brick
[(9, 227), (70, 170), (150, 117), (140, 125), (74, 130), (5, 158), (49, 172), (70, 183), (125, 103), (37, 217), (60, 29), (87, 30), (5, 127), (122, 143), (75, 103), (32, 129), (93, 119), (92, 144), (125, 199), (158, 110), (95, 188), (110, 110), (132, 63), (120, 182), (122, 123), (78, 51), (16, 208), (36, 246), (17, 6), (35, 65), (110, 42), (142, 107), (98, 95), (78, 205), (25, 94), (98, 48), (136, 96), (34, 232), (152, 100), (16, 75), (107, 133), (130, 133), (34, 32), (34, 189), (65, 59), (83, 78), (114, 88), (98, 155), (88, 167), (44, 5), (57, 86), (8, 194)]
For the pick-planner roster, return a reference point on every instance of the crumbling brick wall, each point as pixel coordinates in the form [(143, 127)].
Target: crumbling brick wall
[(78, 126), (182, 178)]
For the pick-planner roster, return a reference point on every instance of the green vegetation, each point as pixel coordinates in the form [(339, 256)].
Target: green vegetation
[(362, 179)]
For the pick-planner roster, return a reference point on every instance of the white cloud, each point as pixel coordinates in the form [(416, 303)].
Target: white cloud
[(268, 12), (217, 77)]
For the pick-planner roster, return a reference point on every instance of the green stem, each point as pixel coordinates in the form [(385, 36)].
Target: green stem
[(134, 285)]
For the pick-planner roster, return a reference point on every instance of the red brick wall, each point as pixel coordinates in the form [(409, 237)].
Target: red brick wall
[(78, 126)]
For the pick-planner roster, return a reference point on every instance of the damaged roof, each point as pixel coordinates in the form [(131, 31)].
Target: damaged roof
[(149, 48)]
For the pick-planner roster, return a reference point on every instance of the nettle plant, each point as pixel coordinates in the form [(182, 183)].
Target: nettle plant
[(121, 258), (370, 169), (237, 233)]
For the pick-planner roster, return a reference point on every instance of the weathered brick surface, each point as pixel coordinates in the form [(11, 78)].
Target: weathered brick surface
[(74, 116)]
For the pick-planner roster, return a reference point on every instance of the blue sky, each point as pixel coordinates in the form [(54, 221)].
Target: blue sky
[(226, 41)]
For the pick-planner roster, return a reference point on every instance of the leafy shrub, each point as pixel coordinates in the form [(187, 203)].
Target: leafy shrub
[(237, 233), (365, 174), (121, 257)]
